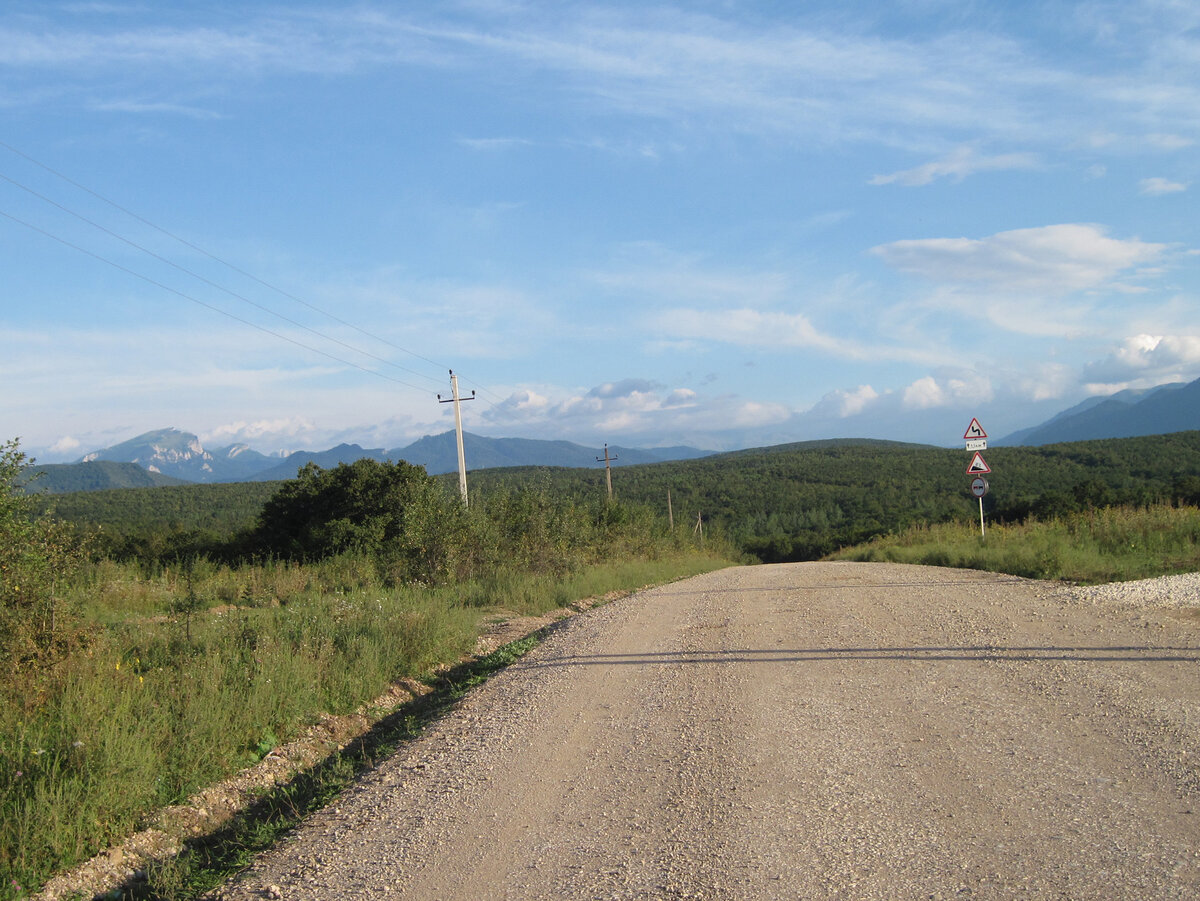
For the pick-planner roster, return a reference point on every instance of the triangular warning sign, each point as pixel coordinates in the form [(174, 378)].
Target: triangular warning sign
[(978, 465), (975, 430)]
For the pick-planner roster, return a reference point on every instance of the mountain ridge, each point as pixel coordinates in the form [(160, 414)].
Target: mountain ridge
[(1133, 413), (180, 455)]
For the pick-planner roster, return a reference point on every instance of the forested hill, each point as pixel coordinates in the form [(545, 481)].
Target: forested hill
[(220, 509), (97, 475), (795, 501), (800, 501)]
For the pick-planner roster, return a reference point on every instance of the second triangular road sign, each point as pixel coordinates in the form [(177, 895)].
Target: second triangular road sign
[(978, 465)]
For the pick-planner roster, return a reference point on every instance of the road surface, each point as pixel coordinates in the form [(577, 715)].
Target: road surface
[(819, 730)]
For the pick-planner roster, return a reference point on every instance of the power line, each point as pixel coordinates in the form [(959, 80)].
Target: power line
[(209, 282), (213, 256), (223, 262), (202, 303)]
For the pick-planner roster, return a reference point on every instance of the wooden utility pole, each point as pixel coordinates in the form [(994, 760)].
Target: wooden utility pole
[(607, 469), (670, 512), (462, 459)]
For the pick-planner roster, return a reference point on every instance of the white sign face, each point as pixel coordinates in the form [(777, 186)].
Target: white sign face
[(975, 430), (978, 465), (979, 486), (976, 444)]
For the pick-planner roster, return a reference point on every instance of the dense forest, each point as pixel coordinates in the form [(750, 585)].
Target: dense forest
[(788, 502), (801, 501)]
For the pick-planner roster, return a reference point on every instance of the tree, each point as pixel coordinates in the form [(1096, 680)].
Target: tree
[(394, 512)]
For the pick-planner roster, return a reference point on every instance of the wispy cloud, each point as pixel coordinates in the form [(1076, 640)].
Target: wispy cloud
[(1155, 187), (1052, 260), (802, 82), (957, 165), (754, 328), (493, 145), (144, 107)]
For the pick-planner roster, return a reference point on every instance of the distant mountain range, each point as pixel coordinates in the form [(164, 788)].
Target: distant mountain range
[(171, 456), (1126, 414)]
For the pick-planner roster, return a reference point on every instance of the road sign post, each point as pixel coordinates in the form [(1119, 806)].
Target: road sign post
[(979, 487), (976, 439)]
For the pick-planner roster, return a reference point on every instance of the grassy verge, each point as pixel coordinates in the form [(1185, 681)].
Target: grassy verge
[(1109, 545), (193, 674), (209, 861)]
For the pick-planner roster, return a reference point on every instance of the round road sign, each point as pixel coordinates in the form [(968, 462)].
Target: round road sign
[(979, 486)]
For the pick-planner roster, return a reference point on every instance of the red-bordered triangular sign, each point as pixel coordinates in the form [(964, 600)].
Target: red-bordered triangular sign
[(975, 430), (978, 465)]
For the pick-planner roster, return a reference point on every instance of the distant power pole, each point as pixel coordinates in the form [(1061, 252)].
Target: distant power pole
[(462, 459), (607, 469)]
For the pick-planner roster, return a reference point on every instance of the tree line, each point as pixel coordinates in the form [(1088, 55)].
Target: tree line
[(790, 502)]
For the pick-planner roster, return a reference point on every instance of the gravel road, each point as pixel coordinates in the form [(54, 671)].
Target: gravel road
[(818, 730)]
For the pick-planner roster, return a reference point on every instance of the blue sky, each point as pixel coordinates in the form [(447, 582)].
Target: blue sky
[(722, 224)]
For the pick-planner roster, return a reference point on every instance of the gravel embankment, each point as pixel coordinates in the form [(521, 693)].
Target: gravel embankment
[(1165, 591)]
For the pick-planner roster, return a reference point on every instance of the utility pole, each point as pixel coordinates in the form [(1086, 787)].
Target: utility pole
[(607, 469), (462, 459), (670, 512)]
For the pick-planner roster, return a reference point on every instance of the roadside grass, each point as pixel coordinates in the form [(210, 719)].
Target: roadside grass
[(192, 673), (207, 862), (1108, 545)]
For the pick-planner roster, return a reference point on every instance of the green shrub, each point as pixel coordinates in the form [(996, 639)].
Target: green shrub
[(37, 556)]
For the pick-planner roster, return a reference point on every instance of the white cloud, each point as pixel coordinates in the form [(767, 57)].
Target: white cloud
[(924, 393), (151, 107), (680, 397), (491, 145), (1168, 141), (958, 164), (1053, 259), (268, 430), (752, 328), (842, 403), (948, 390), (1146, 360), (634, 409), (65, 445), (1158, 186)]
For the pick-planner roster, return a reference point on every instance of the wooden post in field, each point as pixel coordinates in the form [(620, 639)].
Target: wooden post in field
[(670, 512)]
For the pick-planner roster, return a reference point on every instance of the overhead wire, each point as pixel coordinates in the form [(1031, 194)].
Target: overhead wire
[(208, 281), (202, 303), (223, 262)]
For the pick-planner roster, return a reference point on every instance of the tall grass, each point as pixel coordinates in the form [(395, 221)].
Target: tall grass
[(169, 696), (1106, 545)]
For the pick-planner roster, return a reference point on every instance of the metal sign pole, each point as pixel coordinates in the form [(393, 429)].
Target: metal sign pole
[(976, 439)]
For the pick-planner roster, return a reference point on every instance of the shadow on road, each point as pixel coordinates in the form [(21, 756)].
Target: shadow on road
[(983, 653)]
